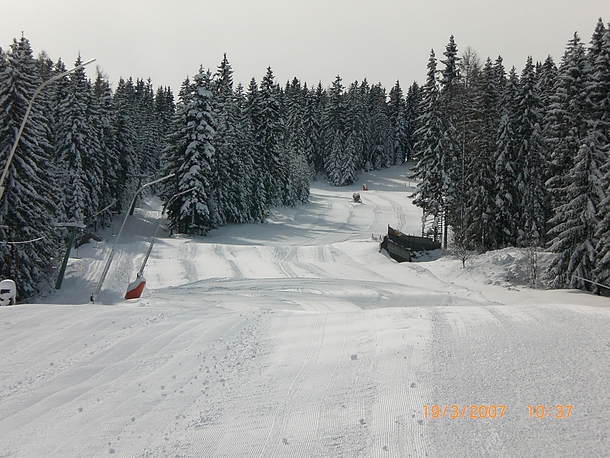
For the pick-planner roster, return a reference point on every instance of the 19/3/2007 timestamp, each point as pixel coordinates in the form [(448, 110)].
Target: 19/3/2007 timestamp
[(464, 411)]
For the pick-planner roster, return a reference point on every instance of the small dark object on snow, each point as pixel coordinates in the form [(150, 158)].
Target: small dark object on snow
[(354, 357), (356, 197), (85, 239)]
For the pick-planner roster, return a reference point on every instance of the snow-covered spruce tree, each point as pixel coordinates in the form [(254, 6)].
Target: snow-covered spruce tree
[(366, 161), (164, 110), (148, 127), (481, 111), (312, 144), (295, 140), (354, 139), (48, 100), (103, 123), (531, 154), (233, 163), (575, 223), (259, 206), (429, 149), (176, 142), (599, 89), (507, 201), (565, 123), (294, 113), (26, 206), (334, 132), (269, 135), (191, 155), (399, 124), (76, 151), (126, 139), (314, 126), (600, 99), (380, 129), (413, 104), (546, 75), (449, 100)]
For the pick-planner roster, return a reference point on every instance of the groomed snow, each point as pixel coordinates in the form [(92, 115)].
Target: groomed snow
[(297, 338)]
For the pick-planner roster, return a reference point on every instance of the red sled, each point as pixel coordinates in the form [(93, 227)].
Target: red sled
[(134, 290)]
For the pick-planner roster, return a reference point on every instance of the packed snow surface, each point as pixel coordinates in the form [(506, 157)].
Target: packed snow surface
[(298, 338)]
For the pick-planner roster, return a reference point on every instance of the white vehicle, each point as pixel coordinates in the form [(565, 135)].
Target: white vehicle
[(8, 292)]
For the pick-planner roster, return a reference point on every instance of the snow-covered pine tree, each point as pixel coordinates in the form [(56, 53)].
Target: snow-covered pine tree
[(126, 139), (398, 121), (546, 74), (449, 99), (146, 125), (428, 151), (199, 212), (190, 155), (311, 132), (575, 226), (78, 179), (380, 129), (507, 201), (26, 206), (103, 123), (270, 137), (259, 206), (354, 139), (565, 125), (366, 162), (599, 89), (176, 142), (531, 154), (231, 180), (334, 131), (600, 100), (314, 122), (481, 111), (295, 137), (164, 109), (413, 104)]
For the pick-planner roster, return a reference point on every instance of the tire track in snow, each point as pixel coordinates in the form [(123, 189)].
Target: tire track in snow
[(281, 255), (397, 209), (186, 253)]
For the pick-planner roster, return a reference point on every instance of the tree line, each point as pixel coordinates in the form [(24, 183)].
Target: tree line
[(236, 152), (508, 159), (242, 151), (82, 152)]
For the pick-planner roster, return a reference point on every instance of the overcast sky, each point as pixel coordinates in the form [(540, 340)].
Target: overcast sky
[(314, 40)]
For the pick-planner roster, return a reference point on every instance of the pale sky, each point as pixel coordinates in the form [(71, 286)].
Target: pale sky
[(314, 40)]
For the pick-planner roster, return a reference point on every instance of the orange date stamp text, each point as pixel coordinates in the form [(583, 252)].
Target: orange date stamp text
[(464, 411)]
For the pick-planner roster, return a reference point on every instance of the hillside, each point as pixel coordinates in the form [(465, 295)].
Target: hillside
[(299, 338)]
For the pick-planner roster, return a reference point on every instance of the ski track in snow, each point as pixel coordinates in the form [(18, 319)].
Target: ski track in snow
[(298, 338)]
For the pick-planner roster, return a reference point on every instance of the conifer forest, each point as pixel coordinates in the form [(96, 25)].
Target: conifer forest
[(503, 157)]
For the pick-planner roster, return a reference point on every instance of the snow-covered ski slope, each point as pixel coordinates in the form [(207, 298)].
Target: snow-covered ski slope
[(297, 338)]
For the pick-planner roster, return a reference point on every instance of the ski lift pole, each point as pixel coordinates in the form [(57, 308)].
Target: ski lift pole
[(25, 118), (111, 255), (72, 227), (152, 242)]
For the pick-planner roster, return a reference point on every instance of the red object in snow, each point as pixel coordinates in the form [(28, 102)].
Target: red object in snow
[(134, 290), (364, 187)]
